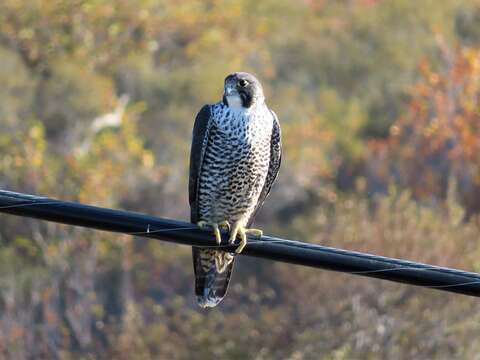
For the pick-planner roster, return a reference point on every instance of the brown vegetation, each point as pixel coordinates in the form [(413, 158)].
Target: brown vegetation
[(379, 104)]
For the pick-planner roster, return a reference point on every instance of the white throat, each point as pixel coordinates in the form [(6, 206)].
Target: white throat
[(234, 101)]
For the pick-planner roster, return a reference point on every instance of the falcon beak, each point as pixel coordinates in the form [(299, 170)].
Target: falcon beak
[(230, 90)]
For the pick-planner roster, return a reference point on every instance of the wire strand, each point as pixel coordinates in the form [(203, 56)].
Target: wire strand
[(315, 255)]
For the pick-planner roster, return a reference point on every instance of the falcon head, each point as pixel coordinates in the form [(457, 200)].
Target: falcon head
[(242, 90)]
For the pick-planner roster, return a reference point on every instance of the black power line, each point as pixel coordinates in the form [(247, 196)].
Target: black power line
[(289, 251)]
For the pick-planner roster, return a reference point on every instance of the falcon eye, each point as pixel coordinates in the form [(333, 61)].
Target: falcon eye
[(243, 83)]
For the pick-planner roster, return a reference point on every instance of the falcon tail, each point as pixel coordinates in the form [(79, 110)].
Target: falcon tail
[(210, 284)]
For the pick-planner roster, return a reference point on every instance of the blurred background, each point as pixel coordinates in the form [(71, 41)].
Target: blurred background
[(379, 103)]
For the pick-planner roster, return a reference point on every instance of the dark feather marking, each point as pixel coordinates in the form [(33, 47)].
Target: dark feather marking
[(201, 130), (215, 282), (274, 165)]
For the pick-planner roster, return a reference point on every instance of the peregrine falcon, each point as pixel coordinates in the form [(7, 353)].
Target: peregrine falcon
[(234, 160)]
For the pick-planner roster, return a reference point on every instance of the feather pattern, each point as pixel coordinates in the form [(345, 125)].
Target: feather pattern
[(234, 160), (210, 285), (273, 167)]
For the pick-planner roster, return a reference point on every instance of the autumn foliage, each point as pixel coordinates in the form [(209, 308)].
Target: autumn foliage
[(438, 139), (379, 106)]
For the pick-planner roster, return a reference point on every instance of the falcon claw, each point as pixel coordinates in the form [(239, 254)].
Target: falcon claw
[(255, 232), (242, 232), (233, 233), (216, 229), (243, 242), (218, 236)]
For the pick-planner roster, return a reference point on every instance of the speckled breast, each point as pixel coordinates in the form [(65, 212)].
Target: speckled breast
[(235, 163)]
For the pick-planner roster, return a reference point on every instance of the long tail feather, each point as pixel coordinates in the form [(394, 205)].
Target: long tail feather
[(211, 283)]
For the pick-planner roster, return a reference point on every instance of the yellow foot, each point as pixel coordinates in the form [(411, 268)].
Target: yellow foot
[(216, 228), (242, 232)]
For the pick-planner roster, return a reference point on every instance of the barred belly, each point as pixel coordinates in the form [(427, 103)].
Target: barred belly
[(235, 165)]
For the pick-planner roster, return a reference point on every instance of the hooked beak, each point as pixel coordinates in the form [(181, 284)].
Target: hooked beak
[(230, 90)]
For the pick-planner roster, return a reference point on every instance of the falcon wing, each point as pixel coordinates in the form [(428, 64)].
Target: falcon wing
[(210, 285), (201, 128), (274, 166)]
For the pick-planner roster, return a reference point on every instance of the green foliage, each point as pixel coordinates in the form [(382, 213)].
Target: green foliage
[(97, 103)]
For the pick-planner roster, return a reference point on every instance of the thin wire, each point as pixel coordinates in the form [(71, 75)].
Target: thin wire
[(162, 230), (30, 204), (453, 285), (309, 246), (258, 241)]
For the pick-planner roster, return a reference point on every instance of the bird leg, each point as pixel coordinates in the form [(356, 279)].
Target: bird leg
[(216, 228), (238, 229)]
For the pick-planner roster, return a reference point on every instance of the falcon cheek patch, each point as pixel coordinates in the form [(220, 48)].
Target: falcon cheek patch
[(246, 96), (247, 93)]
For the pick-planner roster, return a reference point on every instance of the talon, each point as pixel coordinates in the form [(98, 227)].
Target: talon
[(254, 232), (234, 232), (242, 232), (218, 236), (243, 241), (216, 230)]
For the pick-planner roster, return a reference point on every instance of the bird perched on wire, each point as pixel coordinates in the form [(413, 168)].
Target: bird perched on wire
[(234, 160)]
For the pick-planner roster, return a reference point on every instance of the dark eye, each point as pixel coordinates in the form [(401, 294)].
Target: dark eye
[(243, 83)]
